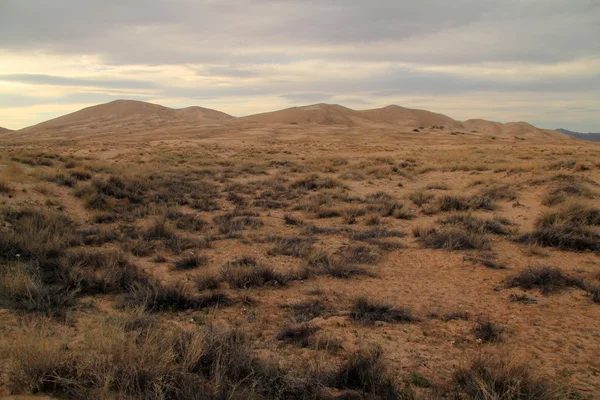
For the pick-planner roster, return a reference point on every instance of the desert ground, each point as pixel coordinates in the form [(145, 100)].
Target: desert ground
[(310, 253)]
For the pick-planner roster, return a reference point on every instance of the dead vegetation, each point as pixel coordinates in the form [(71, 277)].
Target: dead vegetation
[(154, 250)]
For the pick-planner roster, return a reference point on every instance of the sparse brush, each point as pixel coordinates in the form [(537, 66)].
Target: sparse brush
[(368, 312), (488, 331), (360, 254), (493, 377), (299, 334), (307, 310), (372, 219), (564, 235), (365, 372), (315, 182), (499, 192), (323, 263), (452, 239), (249, 273), (349, 214), (563, 190), (292, 246), (497, 225), (448, 203), (191, 261), (156, 297), (159, 229), (421, 197), (291, 220), (547, 279)]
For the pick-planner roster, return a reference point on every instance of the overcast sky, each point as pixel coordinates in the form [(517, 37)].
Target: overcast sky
[(504, 60)]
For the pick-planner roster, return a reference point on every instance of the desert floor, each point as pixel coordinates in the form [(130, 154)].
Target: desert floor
[(423, 253)]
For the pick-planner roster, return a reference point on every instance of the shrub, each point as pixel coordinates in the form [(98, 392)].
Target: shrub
[(299, 334), (492, 377), (156, 297), (246, 272), (452, 239), (547, 279), (500, 192), (497, 225), (365, 372), (315, 182), (191, 261), (292, 246), (488, 331), (306, 311), (368, 312), (421, 197), (564, 236)]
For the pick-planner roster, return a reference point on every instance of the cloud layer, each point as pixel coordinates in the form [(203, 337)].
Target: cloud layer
[(505, 60)]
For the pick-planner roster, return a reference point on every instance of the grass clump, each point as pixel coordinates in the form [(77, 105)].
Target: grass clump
[(299, 334), (368, 312), (153, 296), (546, 279), (568, 229), (246, 272), (191, 261), (451, 239), (493, 377), (488, 331)]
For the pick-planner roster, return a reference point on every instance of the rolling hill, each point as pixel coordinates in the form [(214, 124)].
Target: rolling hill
[(592, 137), (4, 130), (136, 118), (125, 117)]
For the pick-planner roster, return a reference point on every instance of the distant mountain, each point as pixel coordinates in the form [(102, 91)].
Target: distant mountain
[(135, 118), (4, 130), (125, 117), (592, 137)]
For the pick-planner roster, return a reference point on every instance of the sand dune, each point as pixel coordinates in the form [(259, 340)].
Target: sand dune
[(319, 114), (124, 109), (135, 118), (408, 117)]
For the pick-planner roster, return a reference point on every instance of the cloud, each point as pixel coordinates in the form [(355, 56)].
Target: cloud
[(241, 55)]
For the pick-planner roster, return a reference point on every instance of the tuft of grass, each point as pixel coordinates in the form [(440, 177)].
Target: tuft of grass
[(496, 225), (289, 219), (156, 297), (451, 239), (493, 377), (316, 182), (246, 272), (368, 312), (565, 189), (292, 246), (545, 278), (421, 197), (307, 310), (448, 203), (191, 261), (299, 334), (360, 254), (366, 373), (499, 192), (489, 332), (323, 263)]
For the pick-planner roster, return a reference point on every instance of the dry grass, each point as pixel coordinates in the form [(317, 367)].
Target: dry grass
[(547, 279), (368, 312)]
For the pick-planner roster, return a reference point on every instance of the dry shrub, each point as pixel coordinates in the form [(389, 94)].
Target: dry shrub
[(246, 272), (491, 377), (547, 279), (451, 239), (368, 312)]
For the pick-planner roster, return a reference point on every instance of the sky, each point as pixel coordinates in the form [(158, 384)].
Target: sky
[(503, 60)]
